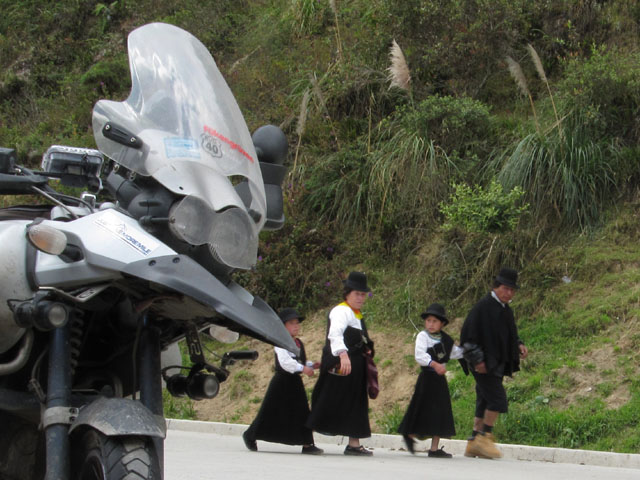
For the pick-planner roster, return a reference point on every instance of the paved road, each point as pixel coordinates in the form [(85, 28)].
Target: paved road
[(210, 456)]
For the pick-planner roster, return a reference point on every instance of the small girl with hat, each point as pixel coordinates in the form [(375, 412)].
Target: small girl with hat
[(285, 408), (429, 413)]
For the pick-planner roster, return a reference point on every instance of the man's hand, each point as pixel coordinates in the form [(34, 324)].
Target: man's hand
[(523, 351), (481, 367)]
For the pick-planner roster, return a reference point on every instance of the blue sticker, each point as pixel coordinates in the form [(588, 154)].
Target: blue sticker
[(181, 147)]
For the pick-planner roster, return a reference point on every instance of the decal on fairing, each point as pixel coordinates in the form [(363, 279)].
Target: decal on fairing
[(136, 239), (181, 148), (232, 144), (211, 145)]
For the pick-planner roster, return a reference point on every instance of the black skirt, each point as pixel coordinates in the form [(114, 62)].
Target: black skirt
[(339, 404), (429, 413), (283, 413)]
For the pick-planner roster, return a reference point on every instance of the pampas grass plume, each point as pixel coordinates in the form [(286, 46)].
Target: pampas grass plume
[(516, 72), (399, 75), (521, 81), (302, 117), (537, 62)]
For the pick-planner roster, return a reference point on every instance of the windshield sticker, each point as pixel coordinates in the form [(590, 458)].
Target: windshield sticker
[(181, 147), (233, 145), (211, 145), (140, 241)]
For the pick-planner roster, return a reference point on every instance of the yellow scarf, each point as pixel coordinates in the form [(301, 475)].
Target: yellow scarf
[(357, 313)]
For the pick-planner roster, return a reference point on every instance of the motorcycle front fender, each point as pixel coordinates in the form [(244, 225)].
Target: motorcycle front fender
[(184, 275), (120, 416)]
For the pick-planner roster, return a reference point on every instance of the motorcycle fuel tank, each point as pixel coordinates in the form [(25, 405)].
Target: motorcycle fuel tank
[(13, 283)]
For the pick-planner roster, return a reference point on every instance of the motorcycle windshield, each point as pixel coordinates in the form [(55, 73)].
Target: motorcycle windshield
[(195, 139)]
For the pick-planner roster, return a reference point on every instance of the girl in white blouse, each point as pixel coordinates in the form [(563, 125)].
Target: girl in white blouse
[(429, 413), (285, 409)]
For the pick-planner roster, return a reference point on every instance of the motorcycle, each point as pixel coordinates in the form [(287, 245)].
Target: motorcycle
[(99, 287)]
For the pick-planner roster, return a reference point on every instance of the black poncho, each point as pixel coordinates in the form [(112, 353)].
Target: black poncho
[(493, 328)]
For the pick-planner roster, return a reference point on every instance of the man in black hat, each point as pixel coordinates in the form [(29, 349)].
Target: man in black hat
[(493, 349)]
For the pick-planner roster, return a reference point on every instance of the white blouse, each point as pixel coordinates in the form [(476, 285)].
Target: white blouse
[(341, 317), (425, 341), (287, 361)]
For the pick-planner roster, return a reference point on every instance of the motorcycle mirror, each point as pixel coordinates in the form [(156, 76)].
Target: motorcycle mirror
[(271, 144)]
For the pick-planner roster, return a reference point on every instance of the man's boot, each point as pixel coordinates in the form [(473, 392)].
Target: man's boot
[(472, 449), (485, 447)]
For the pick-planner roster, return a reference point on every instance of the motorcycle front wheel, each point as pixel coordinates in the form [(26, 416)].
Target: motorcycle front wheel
[(99, 457)]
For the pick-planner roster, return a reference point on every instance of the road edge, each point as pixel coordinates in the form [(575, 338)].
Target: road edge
[(456, 447)]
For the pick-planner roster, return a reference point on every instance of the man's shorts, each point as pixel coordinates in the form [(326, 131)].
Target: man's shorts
[(490, 394)]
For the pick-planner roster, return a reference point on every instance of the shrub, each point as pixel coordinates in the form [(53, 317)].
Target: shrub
[(568, 175), (417, 152), (108, 75), (489, 210), (606, 88), (337, 187), (459, 125)]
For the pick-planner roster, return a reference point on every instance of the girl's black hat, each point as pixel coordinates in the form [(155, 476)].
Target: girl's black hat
[(287, 314), (436, 310)]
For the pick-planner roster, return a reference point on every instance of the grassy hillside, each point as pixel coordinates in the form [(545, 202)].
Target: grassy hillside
[(514, 142)]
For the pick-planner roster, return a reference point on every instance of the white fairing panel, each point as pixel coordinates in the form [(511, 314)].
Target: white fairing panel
[(109, 240), (13, 284)]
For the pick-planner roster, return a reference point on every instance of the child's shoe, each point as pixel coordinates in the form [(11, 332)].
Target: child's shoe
[(439, 453), (250, 443), (410, 443), (312, 450), (360, 451)]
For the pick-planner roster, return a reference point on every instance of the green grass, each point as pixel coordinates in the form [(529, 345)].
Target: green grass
[(181, 408), (389, 422)]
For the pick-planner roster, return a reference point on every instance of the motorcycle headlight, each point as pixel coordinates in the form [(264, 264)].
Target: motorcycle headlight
[(230, 234), (191, 220), (233, 239)]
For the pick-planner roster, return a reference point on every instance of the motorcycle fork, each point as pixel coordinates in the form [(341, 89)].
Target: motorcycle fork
[(150, 380), (58, 402)]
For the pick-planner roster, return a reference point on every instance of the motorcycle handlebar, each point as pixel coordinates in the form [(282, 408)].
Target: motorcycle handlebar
[(242, 355)]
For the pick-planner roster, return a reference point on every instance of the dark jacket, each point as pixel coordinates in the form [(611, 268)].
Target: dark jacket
[(492, 327)]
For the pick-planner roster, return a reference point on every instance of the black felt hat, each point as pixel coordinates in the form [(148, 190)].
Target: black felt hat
[(436, 310), (357, 281), (287, 314), (507, 276)]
